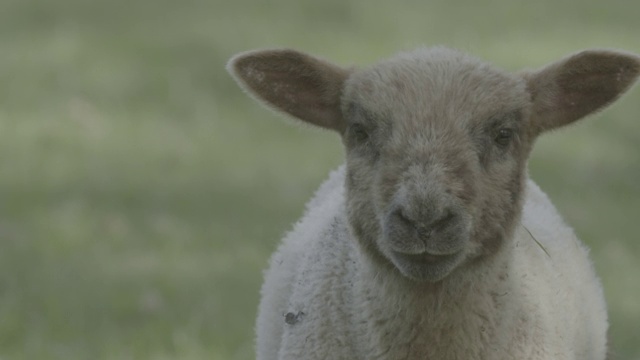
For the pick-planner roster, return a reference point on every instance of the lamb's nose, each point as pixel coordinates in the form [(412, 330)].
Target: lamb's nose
[(423, 225)]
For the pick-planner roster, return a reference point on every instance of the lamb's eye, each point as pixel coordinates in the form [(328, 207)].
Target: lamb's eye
[(358, 133), (503, 137)]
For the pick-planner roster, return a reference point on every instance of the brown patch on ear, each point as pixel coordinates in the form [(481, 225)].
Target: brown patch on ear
[(295, 83), (582, 84)]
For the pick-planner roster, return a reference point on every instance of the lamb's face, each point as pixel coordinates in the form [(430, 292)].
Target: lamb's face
[(436, 141), (436, 150)]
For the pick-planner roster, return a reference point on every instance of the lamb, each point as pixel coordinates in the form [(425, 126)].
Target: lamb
[(431, 242)]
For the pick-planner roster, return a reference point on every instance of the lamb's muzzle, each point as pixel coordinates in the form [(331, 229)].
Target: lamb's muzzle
[(425, 237)]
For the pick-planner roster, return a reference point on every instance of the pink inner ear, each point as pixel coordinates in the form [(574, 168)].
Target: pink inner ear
[(300, 85)]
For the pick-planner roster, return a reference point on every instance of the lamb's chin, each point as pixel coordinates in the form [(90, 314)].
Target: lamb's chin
[(426, 267)]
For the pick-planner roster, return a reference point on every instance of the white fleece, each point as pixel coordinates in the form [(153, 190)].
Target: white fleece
[(524, 304)]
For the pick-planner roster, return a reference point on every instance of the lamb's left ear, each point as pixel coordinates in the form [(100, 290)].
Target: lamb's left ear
[(579, 85), (295, 83)]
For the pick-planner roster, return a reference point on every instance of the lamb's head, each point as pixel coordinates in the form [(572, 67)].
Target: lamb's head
[(436, 141)]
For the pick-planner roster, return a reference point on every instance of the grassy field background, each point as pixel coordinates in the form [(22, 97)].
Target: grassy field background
[(141, 192)]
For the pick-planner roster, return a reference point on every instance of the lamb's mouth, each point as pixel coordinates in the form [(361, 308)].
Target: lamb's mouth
[(426, 258), (425, 266)]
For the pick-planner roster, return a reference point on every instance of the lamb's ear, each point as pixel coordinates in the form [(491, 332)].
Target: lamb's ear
[(298, 84), (579, 85)]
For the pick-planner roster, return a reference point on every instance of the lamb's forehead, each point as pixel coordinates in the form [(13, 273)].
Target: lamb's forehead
[(435, 83)]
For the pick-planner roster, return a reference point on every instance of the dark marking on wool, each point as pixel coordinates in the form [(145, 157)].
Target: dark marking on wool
[(292, 319)]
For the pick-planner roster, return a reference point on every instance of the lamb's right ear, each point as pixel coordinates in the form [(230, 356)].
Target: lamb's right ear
[(298, 84)]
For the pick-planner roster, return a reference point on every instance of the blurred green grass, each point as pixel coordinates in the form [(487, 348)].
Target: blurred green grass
[(141, 192)]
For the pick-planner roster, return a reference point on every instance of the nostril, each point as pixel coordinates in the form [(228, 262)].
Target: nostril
[(401, 217), (443, 221)]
